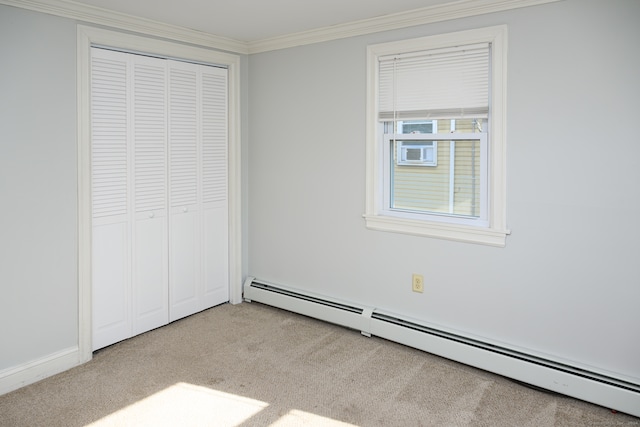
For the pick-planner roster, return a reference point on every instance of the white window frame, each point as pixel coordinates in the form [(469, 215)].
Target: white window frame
[(491, 231)]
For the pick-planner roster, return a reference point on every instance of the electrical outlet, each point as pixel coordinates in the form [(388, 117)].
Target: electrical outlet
[(417, 283)]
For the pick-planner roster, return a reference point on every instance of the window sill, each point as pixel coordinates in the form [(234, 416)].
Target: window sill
[(460, 233)]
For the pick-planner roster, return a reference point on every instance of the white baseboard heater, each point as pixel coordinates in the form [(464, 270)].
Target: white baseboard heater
[(612, 393)]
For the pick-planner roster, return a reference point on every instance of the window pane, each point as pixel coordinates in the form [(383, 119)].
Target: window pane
[(415, 127), (469, 125), (451, 186)]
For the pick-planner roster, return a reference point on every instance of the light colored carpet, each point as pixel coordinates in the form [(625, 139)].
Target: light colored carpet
[(253, 365)]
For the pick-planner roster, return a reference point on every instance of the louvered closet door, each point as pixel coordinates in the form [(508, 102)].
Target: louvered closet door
[(150, 251), (110, 166), (159, 190), (129, 168), (198, 228), (215, 205), (185, 215)]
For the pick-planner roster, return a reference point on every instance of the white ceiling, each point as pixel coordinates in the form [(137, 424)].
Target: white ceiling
[(254, 20)]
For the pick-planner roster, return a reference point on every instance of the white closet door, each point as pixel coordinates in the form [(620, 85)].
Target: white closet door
[(111, 278), (215, 205), (199, 236), (159, 190), (129, 167), (184, 189), (150, 253)]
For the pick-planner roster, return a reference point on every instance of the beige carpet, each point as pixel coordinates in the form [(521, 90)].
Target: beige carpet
[(253, 365)]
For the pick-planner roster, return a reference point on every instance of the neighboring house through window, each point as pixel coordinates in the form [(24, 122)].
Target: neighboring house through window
[(436, 136)]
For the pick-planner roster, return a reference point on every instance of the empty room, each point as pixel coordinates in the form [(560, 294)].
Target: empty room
[(276, 212)]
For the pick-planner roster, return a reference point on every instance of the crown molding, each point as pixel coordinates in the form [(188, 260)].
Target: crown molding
[(427, 15), (96, 15)]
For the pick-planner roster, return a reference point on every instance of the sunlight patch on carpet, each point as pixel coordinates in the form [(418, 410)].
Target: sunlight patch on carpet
[(185, 404), (295, 418)]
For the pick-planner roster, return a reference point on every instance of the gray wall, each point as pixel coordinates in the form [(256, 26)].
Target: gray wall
[(566, 285), (38, 186)]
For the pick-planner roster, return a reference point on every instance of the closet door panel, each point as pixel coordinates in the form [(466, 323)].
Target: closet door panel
[(215, 186), (150, 262), (185, 263), (215, 257), (110, 172), (150, 289), (184, 189), (111, 285)]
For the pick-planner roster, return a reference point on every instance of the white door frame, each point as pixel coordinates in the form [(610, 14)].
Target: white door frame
[(86, 37)]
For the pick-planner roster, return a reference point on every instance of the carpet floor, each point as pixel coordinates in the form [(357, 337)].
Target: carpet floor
[(254, 365)]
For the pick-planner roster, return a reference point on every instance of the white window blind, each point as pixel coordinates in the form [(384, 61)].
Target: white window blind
[(439, 83)]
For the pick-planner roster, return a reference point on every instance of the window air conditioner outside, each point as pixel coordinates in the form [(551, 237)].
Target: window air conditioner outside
[(417, 153)]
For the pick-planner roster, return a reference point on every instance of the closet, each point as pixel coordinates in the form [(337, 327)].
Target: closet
[(160, 243)]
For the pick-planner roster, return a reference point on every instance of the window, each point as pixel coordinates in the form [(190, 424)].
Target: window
[(435, 136)]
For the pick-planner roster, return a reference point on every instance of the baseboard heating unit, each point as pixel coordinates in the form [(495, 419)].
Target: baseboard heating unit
[(597, 388)]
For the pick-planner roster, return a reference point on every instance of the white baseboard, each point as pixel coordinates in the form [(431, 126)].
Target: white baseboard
[(564, 382), (28, 373), (556, 375)]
